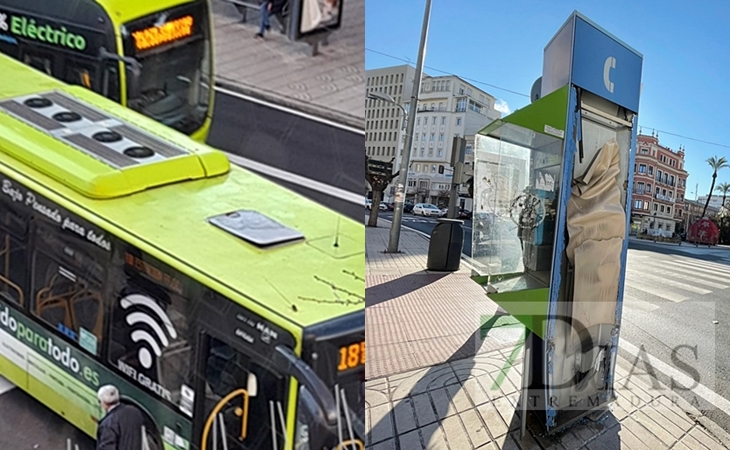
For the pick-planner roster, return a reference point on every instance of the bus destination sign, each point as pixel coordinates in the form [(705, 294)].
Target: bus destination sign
[(154, 36)]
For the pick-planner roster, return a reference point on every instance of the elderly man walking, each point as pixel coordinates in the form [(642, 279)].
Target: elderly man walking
[(121, 427)]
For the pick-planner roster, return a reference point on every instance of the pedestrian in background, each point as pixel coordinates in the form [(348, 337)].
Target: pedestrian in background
[(269, 8), (121, 427)]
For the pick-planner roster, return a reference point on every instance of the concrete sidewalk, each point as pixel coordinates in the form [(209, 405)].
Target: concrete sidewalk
[(438, 378), (329, 85)]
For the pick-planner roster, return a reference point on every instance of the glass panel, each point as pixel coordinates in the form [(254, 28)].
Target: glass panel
[(517, 180), (68, 275), (150, 335), (245, 405)]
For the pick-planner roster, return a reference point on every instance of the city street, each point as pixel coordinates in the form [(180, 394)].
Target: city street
[(673, 296), (426, 225), (26, 424), (294, 144)]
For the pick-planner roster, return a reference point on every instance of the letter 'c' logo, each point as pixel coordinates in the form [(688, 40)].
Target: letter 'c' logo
[(607, 66)]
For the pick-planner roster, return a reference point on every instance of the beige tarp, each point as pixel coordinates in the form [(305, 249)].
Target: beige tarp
[(596, 225)]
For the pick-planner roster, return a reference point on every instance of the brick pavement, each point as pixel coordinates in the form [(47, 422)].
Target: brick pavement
[(330, 84), (434, 381)]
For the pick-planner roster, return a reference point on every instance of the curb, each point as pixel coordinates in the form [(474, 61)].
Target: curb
[(305, 107), (714, 429)]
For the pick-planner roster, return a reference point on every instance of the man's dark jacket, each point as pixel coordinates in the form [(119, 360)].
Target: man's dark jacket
[(120, 429), (277, 6)]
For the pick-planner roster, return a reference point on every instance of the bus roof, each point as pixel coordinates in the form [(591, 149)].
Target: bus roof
[(123, 11), (306, 282)]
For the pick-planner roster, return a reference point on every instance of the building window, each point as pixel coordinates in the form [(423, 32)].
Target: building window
[(648, 188), (651, 170), (443, 121), (671, 180), (432, 136), (441, 152), (656, 207), (423, 136), (468, 149), (669, 210), (458, 121), (661, 208), (659, 175), (646, 206), (433, 168), (638, 204), (418, 167), (640, 188), (642, 168), (665, 178), (433, 122), (645, 151), (441, 137), (418, 121)]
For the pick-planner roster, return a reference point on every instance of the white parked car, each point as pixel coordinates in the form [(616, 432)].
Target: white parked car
[(444, 212), (368, 203), (426, 209), (383, 206)]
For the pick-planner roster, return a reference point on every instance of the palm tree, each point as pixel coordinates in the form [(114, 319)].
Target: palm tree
[(716, 164), (724, 189)]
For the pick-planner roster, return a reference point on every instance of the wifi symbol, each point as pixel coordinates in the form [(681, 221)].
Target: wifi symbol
[(151, 320)]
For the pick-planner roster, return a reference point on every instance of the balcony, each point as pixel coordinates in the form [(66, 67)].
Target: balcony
[(431, 109), (664, 198)]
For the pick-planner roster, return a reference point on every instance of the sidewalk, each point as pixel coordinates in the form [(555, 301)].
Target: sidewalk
[(438, 377), (330, 85)]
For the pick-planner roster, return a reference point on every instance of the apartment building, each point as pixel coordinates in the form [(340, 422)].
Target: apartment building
[(660, 182), (448, 106), (715, 200)]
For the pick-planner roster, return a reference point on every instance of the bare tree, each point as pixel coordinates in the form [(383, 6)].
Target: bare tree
[(378, 183)]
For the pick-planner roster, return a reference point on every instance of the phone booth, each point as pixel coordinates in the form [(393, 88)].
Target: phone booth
[(551, 217)]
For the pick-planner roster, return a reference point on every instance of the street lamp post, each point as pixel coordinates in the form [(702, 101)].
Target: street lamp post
[(402, 180)]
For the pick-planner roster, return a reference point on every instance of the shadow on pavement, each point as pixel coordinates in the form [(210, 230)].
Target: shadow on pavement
[(445, 382), (400, 286)]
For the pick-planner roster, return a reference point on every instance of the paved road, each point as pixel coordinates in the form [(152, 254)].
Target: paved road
[(26, 424), (295, 144), (672, 296)]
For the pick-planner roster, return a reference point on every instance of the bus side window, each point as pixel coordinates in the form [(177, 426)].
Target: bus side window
[(81, 73), (150, 328), (13, 256), (110, 82), (40, 61), (68, 276)]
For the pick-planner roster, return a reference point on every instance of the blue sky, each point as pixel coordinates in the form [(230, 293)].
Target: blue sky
[(686, 48)]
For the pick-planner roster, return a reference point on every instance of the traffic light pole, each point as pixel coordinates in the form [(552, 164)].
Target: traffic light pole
[(406, 160)]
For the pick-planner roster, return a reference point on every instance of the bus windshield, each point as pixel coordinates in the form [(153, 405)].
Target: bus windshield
[(173, 86)]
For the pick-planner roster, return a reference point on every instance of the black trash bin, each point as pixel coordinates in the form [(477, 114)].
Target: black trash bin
[(444, 250)]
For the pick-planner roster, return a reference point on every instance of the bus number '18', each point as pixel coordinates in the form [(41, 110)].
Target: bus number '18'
[(352, 356)]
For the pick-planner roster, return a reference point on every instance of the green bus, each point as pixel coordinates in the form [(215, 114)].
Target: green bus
[(229, 309), (155, 57)]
